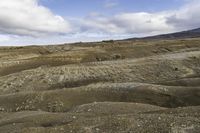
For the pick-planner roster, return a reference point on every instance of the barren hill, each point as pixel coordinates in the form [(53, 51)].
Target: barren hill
[(130, 86), (194, 33)]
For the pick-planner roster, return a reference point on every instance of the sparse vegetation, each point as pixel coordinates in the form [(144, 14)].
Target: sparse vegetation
[(109, 86)]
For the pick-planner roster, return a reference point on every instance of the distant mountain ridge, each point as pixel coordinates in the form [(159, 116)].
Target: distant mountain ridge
[(178, 35)]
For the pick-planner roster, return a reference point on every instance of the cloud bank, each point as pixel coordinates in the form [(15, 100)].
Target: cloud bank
[(28, 18), (186, 17), (145, 23), (25, 20)]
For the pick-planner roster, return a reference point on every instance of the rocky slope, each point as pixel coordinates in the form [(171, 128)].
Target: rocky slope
[(130, 86)]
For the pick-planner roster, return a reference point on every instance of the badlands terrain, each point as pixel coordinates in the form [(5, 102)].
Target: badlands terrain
[(149, 85)]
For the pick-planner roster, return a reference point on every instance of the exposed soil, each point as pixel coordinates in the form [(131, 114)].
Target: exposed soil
[(132, 86)]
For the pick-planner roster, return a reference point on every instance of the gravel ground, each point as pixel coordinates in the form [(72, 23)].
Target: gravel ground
[(104, 87)]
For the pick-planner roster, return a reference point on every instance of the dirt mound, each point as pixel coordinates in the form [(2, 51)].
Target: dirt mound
[(114, 86)]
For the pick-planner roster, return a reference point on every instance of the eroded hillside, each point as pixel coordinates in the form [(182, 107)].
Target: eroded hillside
[(111, 87)]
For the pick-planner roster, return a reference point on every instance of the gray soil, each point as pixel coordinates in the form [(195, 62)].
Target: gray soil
[(133, 86)]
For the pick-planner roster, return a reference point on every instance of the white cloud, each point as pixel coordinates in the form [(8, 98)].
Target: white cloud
[(27, 17), (110, 4), (142, 22), (145, 23), (127, 23), (186, 17), (99, 24), (14, 40), (4, 38)]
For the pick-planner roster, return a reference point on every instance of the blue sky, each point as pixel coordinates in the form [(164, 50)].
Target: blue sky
[(79, 8), (28, 22)]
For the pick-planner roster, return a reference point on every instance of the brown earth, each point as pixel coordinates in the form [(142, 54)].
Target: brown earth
[(130, 86)]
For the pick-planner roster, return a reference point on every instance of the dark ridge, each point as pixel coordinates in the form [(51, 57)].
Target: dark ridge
[(194, 33)]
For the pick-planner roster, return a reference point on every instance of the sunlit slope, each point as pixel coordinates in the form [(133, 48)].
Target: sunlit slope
[(111, 86)]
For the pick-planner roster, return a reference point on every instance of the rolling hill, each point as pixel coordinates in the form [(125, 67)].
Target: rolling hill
[(142, 85), (194, 33)]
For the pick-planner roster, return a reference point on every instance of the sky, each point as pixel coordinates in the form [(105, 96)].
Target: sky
[(40, 22)]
